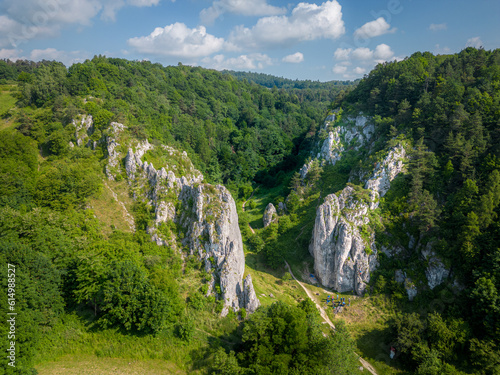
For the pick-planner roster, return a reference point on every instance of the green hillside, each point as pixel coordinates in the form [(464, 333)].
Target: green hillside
[(92, 289)]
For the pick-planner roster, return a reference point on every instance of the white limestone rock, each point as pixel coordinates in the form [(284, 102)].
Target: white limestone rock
[(270, 215), (386, 171), (436, 272), (250, 300), (84, 130), (341, 261), (208, 215)]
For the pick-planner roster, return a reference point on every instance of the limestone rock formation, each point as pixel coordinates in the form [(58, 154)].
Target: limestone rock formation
[(342, 258), (436, 272), (342, 245), (384, 172), (205, 214), (250, 300), (270, 215), (83, 130)]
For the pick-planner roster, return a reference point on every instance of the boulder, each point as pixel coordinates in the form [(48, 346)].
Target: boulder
[(270, 215)]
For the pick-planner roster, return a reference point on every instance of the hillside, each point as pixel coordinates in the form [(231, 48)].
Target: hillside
[(157, 210)]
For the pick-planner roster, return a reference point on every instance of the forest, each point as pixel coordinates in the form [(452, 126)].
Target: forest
[(90, 286)]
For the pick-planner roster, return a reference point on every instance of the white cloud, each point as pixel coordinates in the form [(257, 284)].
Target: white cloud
[(295, 58), (383, 52), (362, 53), (339, 69), (21, 21), (374, 28), (243, 7), (437, 26), (342, 53), (441, 51), (11, 54), (178, 40), (475, 42), (365, 59), (359, 70), (67, 58), (307, 22), (242, 62)]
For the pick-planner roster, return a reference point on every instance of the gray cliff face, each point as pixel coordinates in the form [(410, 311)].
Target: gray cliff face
[(343, 248), (84, 129), (270, 215), (341, 259), (436, 272), (356, 133), (206, 213)]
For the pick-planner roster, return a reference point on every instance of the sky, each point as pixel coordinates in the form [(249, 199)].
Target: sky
[(315, 40)]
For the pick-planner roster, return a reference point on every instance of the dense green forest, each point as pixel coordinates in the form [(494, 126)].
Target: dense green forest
[(252, 133), (73, 270)]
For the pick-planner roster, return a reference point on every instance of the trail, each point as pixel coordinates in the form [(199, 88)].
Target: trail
[(310, 295), (243, 206), (325, 317)]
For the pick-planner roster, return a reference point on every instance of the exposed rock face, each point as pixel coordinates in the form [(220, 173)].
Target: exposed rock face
[(386, 171), (270, 215), (340, 254), (345, 253), (411, 289), (113, 154), (436, 272), (207, 216), (250, 300), (84, 130), (356, 133)]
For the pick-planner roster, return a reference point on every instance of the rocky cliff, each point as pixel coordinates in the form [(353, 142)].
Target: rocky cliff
[(343, 243), (187, 213)]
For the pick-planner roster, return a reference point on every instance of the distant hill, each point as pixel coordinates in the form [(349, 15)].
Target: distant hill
[(270, 81)]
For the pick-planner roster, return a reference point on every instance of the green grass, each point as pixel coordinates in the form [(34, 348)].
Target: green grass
[(7, 102)]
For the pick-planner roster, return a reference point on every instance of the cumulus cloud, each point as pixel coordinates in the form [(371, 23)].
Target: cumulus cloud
[(438, 50), (178, 40), (383, 52), (295, 58), (362, 53), (307, 22), (11, 54), (374, 28), (364, 58), (339, 69), (475, 42), (243, 7), (359, 70), (437, 26), (242, 62), (67, 58), (21, 21)]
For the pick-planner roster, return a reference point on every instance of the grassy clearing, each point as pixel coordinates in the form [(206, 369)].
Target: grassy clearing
[(7, 102), (267, 281), (109, 211), (93, 365)]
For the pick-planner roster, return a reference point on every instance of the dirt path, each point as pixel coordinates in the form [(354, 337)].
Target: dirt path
[(310, 295), (325, 317), (243, 206)]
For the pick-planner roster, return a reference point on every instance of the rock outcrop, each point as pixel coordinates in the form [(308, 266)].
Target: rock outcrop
[(436, 272), (203, 214), (342, 243), (250, 300), (84, 130), (270, 215), (342, 258), (385, 171), (355, 133)]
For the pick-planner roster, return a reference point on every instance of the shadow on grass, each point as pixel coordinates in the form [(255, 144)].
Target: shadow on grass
[(375, 346)]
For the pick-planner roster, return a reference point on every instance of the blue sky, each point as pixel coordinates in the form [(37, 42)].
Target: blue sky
[(317, 40)]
